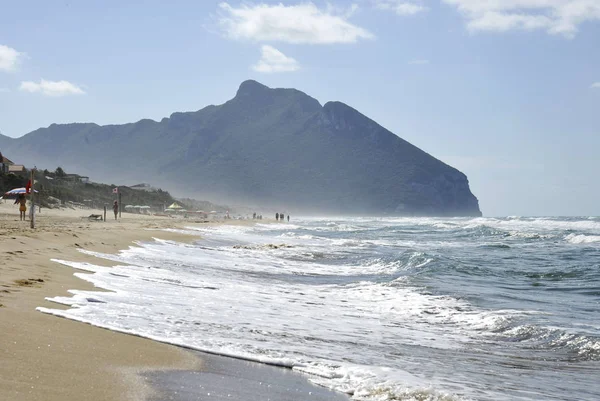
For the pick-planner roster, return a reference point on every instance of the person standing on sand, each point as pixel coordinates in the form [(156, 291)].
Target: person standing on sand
[(277, 216), (288, 218), (22, 205), (116, 209)]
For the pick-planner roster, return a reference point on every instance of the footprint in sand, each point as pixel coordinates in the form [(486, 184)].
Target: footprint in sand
[(28, 282)]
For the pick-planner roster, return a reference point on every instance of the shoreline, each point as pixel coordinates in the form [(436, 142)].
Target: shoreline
[(222, 377), (50, 358), (45, 357)]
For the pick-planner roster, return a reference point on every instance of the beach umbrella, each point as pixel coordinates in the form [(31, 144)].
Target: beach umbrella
[(16, 192)]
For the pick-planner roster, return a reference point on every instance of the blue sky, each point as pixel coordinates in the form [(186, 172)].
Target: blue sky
[(507, 91)]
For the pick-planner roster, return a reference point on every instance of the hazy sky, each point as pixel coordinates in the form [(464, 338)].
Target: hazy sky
[(507, 91)]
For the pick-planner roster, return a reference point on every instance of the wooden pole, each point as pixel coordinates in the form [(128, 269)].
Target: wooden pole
[(32, 198), (120, 204), (105, 213)]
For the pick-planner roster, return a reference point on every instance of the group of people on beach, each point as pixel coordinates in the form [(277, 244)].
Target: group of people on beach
[(278, 217), (281, 216), (22, 201)]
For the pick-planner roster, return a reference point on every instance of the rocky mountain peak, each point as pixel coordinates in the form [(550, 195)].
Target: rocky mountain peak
[(251, 88)]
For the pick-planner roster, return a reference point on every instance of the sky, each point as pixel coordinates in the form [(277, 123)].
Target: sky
[(507, 91)]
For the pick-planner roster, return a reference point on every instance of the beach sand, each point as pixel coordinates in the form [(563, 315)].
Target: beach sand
[(43, 357)]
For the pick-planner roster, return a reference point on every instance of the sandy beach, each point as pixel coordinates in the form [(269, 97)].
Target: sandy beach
[(49, 358), (43, 357)]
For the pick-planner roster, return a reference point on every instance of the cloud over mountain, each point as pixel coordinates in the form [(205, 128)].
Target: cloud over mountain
[(302, 23), (272, 60), (51, 88)]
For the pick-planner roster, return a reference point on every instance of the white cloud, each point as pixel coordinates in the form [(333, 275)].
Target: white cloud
[(418, 62), (559, 17), (272, 60), (9, 58), (595, 85), (400, 7), (51, 88), (301, 23)]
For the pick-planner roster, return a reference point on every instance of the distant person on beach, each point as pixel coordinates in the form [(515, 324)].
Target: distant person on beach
[(288, 218), (277, 216), (22, 205), (116, 209)]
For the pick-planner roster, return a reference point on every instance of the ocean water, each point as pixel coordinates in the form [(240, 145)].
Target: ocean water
[(382, 309)]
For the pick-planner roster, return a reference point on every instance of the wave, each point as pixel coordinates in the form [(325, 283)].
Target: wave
[(163, 314), (406, 262), (482, 230), (556, 274), (358, 310), (582, 239), (341, 227), (495, 246), (544, 224), (572, 347), (398, 393)]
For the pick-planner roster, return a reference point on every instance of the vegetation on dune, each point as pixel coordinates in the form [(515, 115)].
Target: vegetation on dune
[(57, 188), (58, 185), (205, 206)]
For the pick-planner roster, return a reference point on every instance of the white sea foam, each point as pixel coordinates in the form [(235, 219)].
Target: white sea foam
[(582, 239), (535, 224), (369, 326), (181, 231), (191, 300)]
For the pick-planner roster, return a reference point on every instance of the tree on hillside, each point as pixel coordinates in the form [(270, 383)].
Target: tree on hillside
[(59, 172)]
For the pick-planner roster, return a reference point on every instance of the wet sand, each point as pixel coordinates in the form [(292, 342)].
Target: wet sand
[(222, 378)]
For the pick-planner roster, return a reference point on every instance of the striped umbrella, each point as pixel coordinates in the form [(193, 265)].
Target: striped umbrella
[(15, 192)]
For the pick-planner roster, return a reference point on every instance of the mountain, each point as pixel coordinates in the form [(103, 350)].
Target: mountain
[(270, 147)]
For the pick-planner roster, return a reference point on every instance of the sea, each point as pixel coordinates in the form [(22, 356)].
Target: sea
[(377, 308)]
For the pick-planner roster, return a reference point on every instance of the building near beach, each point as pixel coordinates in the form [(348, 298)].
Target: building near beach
[(18, 169), (5, 163)]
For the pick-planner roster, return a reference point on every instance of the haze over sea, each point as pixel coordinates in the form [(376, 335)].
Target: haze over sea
[(381, 308)]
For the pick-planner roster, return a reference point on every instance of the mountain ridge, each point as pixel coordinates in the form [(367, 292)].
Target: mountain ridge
[(276, 147)]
